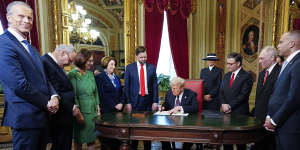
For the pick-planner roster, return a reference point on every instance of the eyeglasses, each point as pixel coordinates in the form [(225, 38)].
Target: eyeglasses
[(230, 64)]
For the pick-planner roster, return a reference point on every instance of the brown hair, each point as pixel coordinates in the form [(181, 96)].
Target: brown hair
[(82, 57), (106, 59), (140, 49)]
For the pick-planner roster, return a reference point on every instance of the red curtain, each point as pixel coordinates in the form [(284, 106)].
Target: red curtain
[(296, 24), (33, 35), (177, 27), (153, 30), (177, 13)]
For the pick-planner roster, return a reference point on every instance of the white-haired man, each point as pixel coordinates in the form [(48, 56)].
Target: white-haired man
[(179, 99), (61, 124), (264, 89)]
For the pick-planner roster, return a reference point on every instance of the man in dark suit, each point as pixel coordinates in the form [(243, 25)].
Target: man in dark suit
[(212, 77), (61, 123), (284, 104), (28, 96), (235, 90), (179, 99), (141, 87), (265, 86)]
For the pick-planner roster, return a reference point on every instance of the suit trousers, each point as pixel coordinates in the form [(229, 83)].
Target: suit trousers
[(61, 138), (144, 103), (30, 139), (287, 141), (268, 143)]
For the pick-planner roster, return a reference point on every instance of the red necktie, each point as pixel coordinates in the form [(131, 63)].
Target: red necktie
[(266, 76), (231, 80), (142, 80)]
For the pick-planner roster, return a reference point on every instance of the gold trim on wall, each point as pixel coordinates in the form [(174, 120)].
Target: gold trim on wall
[(280, 22), (131, 29)]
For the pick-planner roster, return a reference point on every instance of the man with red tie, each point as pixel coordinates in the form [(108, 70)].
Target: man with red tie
[(141, 87), (235, 90), (265, 87)]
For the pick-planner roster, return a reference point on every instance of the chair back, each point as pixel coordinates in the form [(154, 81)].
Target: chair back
[(196, 86)]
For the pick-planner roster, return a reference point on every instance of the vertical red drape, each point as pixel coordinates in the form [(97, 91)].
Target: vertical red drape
[(177, 27), (153, 30), (33, 36)]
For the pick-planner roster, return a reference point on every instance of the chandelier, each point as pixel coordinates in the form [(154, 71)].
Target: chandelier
[(79, 25)]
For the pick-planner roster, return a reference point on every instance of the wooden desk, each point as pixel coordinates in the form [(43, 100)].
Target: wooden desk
[(212, 128)]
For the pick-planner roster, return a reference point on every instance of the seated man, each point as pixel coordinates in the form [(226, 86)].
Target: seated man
[(179, 99)]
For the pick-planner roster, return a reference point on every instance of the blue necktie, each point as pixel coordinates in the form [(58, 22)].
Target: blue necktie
[(31, 51)]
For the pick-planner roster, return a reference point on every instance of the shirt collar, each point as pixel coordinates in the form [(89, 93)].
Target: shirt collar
[(288, 59), (52, 56), (210, 67), (16, 34), (271, 68), (237, 71), (180, 95), (139, 64)]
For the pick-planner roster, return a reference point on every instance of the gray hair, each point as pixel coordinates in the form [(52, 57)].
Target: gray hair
[(271, 50), (66, 48), (14, 3), (177, 81)]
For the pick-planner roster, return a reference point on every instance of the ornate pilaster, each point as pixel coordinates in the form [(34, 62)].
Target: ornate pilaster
[(55, 23), (280, 22), (131, 29)]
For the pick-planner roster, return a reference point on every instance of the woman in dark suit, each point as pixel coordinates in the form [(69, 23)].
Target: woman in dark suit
[(110, 95), (109, 87)]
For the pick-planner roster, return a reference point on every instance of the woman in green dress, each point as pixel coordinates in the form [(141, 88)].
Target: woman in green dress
[(86, 97)]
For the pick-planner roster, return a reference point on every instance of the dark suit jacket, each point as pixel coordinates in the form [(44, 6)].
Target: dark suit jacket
[(212, 82), (188, 102), (26, 91), (238, 95), (63, 86), (264, 92), (284, 104), (109, 96), (132, 85)]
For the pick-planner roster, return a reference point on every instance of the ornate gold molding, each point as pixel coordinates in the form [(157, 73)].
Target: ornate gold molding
[(294, 13), (280, 22), (55, 23), (131, 29)]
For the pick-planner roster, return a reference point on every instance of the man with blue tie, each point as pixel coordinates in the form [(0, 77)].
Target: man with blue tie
[(28, 98), (141, 87), (284, 104)]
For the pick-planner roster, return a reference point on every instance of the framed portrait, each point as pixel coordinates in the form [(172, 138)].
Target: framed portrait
[(250, 40)]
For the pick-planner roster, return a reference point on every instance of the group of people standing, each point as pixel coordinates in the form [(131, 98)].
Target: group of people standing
[(42, 100), (276, 101)]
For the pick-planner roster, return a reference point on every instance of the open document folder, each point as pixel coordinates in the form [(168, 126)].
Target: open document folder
[(167, 113)]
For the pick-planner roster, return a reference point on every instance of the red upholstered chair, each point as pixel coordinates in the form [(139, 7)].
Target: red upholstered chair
[(196, 86)]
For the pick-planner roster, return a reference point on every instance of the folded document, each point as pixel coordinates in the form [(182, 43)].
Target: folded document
[(167, 113)]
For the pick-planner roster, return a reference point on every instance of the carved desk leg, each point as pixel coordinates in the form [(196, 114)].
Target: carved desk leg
[(125, 145)]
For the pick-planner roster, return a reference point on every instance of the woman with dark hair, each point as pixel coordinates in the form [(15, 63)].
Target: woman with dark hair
[(86, 97), (110, 93)]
